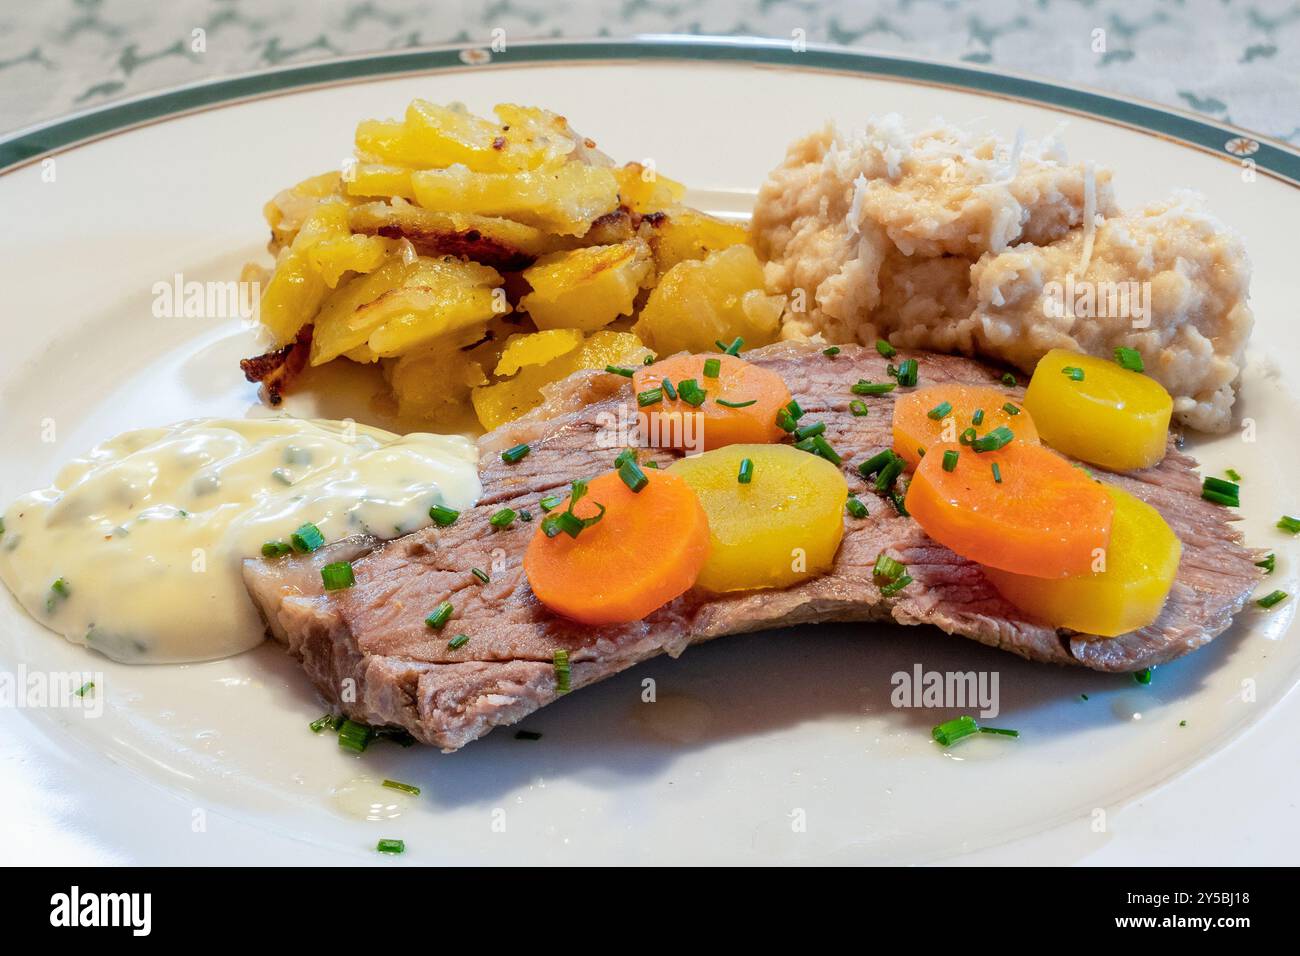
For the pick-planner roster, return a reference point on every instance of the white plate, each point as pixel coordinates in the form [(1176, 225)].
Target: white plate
[(776, 747)]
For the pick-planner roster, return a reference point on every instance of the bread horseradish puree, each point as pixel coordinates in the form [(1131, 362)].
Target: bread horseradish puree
[(136, 548)]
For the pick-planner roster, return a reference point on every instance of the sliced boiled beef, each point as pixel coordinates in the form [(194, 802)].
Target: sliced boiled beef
[(369, 650)]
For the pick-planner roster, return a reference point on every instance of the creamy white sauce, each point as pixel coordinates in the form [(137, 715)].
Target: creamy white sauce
[(147, 533)]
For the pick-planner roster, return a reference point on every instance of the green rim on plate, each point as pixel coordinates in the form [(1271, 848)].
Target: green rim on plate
[(1275, 158)]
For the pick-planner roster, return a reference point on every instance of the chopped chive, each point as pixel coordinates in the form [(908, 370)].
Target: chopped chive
[(650, 396), (898, 498), (527, 735), (690, 392), (550, 502), (1270, 600), (1000, 731), (785, 421), (503, 519), (1073, 373), (391, 846), (876, 462), (562, 671), (746, 473), (1143, 676), (1218, 484), (950, 731), (920, 452), (808, 431), (1221, 492), (1268, 564), (337, 576), (863, 387), (1289, 524), (480, 574), (85, 688), (402, 787), (858, 407), (525, 515), (1182, 723), (633, 476), (907, 372), (440, 616), (999, 437), (795, 410), (651, 464), (307, 539), (670, 390), (329, 720), (512, 455), (1008, 379), (887, 567), (978, 417), (627, 454), (997, 474), (967, 436), (457, 642), (856, 507), (712, 368), (1130, 359), (276, 549), (443, 516), (1218, 498), (726, 404), (886, 477), (355, 736), (732, 349), (940, 411), (824, 448), (831, 352), (950, 460), (619, 370), (1010, 409), (648, 360), (893, 587), (1232, 473), (885, 349)]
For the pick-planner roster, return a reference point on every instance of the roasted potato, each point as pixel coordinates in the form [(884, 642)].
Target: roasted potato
[(520, 392), (476, 259), (682, 233), (701, 301), (587, 288)]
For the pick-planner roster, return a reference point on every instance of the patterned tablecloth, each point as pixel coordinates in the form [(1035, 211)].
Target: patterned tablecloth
[(1234, 61)]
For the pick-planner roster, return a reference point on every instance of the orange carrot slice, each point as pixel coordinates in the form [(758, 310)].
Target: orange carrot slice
[(647, 549), (1045, 518), (941, 413), (751, 397)]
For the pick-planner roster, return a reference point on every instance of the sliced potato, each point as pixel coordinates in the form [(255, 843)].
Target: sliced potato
[(296, 290), (334, 257), (643, 190), (535, 348), (682, 233), (699, 302), (507, 400), (434, 384), (563, 199), (408, 304), (379, 179), (587, 288), (286, 212), (500, 243)]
